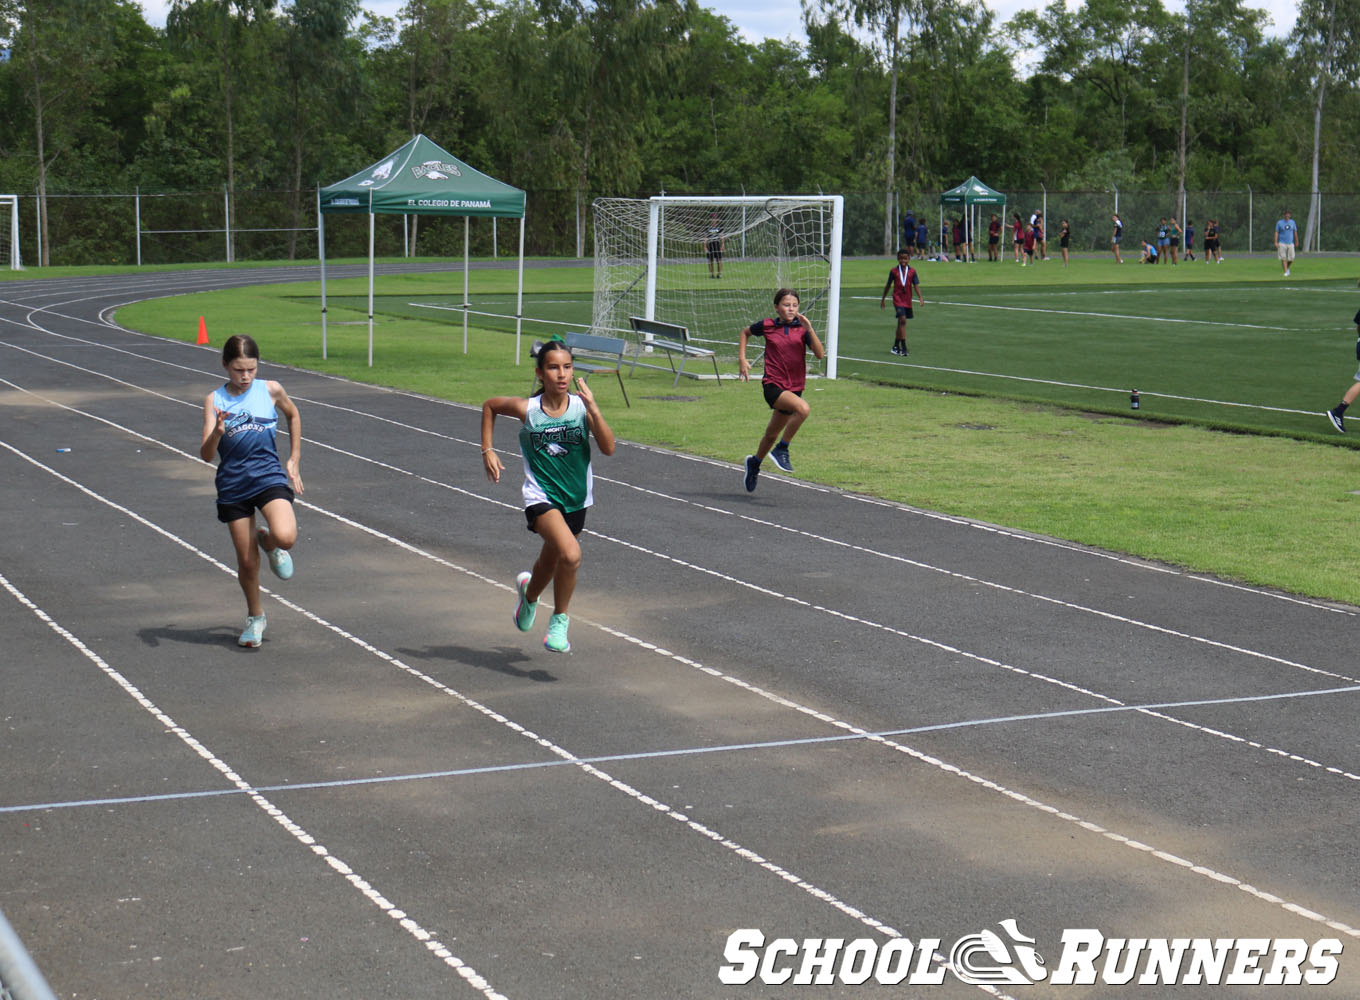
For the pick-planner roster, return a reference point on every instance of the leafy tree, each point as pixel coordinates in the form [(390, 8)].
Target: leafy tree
[(227, 37), (1327, 36), (316, 62), (61, 53), (1105, 45), (609, 61)]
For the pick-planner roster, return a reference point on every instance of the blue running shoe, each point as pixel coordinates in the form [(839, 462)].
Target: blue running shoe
[(752, 471), (780, 454), (556, 639), (280, 562), (1338, 421), (525, 609), (254, 632)]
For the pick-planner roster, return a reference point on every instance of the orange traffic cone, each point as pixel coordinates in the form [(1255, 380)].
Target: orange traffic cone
[(202, 330)]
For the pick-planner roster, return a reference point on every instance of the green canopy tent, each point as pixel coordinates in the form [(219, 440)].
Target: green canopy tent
[(421, 178), (969, 195)]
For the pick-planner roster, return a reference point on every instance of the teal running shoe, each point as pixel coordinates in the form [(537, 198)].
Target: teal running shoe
[(280, 562), (254, 632), (556, 639), (525, 609)]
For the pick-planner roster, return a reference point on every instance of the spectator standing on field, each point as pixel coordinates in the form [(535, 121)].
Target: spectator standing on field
[(1211, 242), (1286, 230), (714, 247), (1118, 235)]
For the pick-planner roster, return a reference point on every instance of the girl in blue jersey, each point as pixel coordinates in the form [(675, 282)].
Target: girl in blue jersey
[(239, 420), (558, 480)]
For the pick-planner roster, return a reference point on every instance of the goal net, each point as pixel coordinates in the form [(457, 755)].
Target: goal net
[(713, 264), (9, 232)]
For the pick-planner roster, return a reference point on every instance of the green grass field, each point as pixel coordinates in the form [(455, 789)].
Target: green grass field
[(1012, 407)]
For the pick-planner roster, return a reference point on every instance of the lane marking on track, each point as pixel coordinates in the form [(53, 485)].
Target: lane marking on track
[(366, 888), (677, 815), (695, 751), (637, 795), (933, 515), (844, 616)]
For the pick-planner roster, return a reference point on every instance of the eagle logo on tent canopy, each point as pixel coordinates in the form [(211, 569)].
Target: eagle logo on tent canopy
[(436, 170), (383, 170)]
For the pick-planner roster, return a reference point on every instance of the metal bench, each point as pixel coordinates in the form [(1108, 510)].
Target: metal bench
[(593, 354), (674, 340)]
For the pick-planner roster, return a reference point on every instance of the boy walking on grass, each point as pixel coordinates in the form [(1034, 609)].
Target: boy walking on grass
[(901, 280)]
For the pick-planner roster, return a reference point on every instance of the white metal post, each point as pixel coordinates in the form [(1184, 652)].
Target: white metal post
[(653, 223), (833, 305), (519, 293), (321, 250), (137, 211), (467, 235), (370, 277)]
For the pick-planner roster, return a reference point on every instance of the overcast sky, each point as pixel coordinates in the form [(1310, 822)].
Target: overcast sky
[(759, 19)]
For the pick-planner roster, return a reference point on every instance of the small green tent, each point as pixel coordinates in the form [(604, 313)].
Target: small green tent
[(968, 195), (420, 178)]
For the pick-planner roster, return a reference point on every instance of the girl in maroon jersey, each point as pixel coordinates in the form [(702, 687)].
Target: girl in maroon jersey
[(787, 337)]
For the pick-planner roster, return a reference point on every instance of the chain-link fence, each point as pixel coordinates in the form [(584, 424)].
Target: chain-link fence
[(194, 227)]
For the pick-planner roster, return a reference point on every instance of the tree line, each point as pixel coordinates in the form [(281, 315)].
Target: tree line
[(572, 99)]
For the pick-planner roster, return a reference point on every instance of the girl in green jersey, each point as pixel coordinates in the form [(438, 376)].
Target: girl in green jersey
[(554, 440)]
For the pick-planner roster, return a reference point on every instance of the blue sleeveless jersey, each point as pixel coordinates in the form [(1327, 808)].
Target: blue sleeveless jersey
[(247, 460)]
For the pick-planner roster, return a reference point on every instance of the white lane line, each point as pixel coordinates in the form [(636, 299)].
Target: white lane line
[(694, 751), (663, 808), (678, 816), (947, 648), (470, 975), (856, 498)]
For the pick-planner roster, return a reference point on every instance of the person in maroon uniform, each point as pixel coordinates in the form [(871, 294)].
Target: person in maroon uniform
[(901, 280), (788, 337)]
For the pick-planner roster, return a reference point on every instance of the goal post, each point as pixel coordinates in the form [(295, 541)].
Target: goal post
[(713, 264), (9, 232)]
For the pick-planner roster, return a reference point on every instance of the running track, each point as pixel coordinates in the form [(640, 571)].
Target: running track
[(800, 710)]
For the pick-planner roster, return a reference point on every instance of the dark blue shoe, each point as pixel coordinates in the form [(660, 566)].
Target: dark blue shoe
[(752, 471), (780, 454), (1338, 421)]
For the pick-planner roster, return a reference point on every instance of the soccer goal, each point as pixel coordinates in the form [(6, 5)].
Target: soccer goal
[(713, 264), (9, 232)]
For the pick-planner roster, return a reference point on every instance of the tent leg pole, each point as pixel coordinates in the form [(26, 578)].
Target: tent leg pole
[(519, 295), (370, 288), (321, 251), (467, 231)]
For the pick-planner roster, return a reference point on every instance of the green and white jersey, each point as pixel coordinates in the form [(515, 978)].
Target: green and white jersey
[(557, 456)]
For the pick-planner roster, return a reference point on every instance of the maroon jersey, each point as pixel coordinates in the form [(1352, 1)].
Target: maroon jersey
[(785, 357), (902, 283)]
